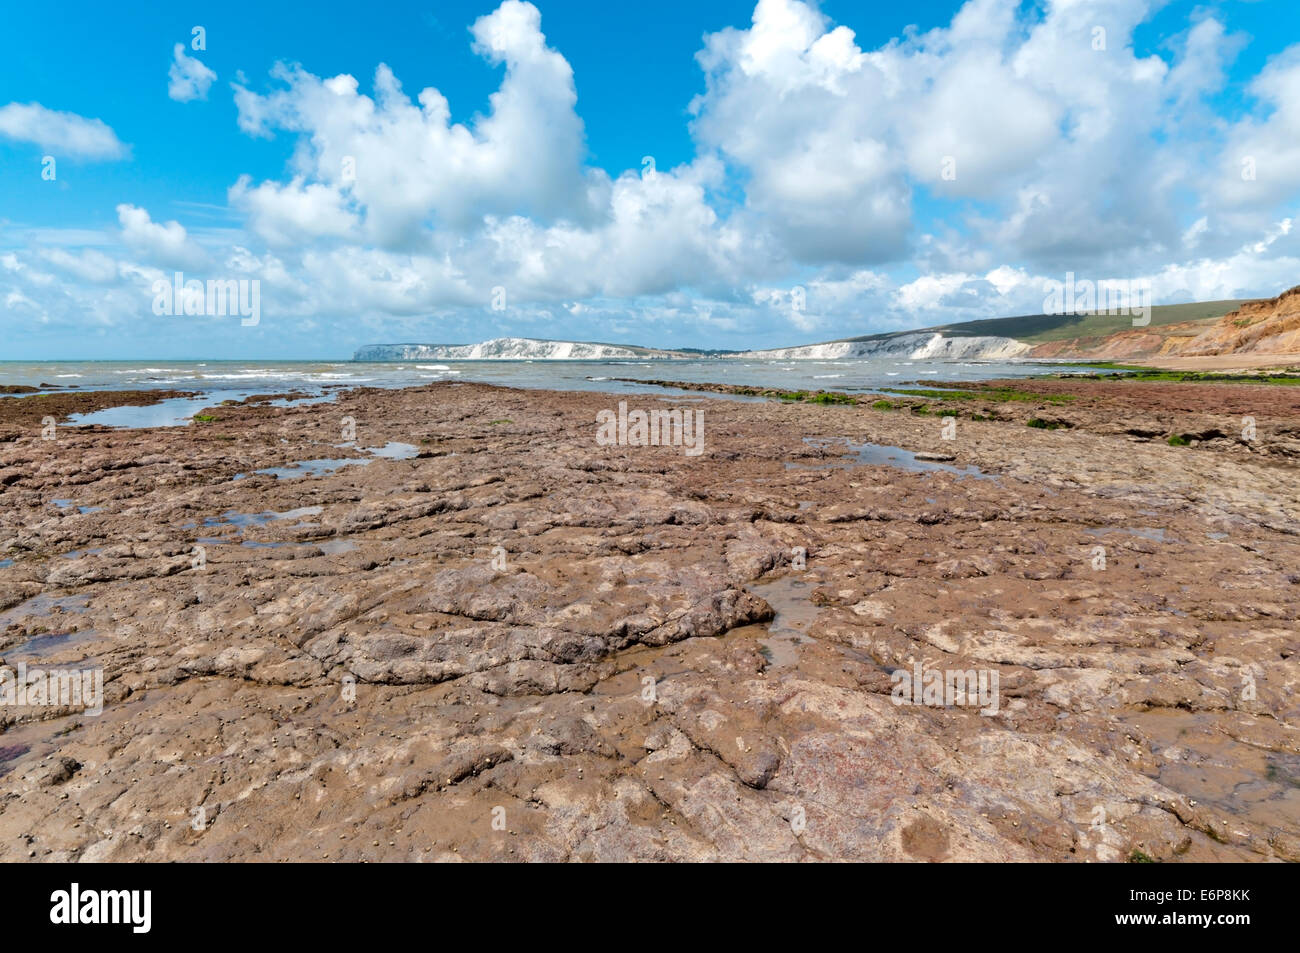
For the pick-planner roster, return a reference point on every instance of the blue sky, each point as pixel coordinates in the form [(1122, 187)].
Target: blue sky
[(796, 146)]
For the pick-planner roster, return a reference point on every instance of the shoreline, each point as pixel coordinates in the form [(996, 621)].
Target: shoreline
[(1241, 363), (368, 661)]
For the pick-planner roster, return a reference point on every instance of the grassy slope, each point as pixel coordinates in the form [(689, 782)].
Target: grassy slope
[(1038, 328)]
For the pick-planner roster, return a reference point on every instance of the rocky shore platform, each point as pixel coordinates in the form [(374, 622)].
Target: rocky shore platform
[(445, 623)]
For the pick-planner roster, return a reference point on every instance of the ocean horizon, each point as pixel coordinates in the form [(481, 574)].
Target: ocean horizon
[(210, 376), (314, 381)]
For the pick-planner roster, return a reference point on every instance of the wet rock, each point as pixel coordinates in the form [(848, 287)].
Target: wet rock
[(574, 640)]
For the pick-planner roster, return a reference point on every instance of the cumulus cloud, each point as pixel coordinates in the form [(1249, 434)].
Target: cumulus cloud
[(168, 245), (89, 265), (508, 201), (1078, 153), (408, 168), (60, 133), (785, 103), (1072, 142), (188, 78), (659, 235), (942, 176), (1260, 162), (293, 213)]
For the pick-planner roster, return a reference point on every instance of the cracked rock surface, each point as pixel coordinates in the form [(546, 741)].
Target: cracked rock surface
[(516, 644)]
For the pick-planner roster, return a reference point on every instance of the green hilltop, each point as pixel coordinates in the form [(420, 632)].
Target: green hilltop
[(1041, 328)]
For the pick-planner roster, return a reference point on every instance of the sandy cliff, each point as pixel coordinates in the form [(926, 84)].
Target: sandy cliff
[(1255, 331), (1123, 345), (1261, 327)]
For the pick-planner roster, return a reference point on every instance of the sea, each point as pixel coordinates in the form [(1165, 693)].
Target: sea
[(314, 381)]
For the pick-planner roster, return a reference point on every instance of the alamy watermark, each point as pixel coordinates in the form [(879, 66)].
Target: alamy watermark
[(52, 688), (130, 907), (944, 688), (654, 428), (215, 298), (1107, 296)]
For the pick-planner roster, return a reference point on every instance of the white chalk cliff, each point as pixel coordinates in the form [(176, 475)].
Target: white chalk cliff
[(505, 349), (927, 345), (920, 345)]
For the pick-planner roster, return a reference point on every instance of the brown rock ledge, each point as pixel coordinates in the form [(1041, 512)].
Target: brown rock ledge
[(567, 651)]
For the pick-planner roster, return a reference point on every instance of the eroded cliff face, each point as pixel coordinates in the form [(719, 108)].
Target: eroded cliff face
[(1261, 327), (1125, 345), (1267, 326), (923, 345), (506, 349)]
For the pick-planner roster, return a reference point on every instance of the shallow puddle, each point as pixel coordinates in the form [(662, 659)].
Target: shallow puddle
[(10, 752), (235, 518), (33, 740), (879, 454), (43, 606), (63, 504), (241, 521), (795, 614), (169, 412), (394, 451), (1200, 761), (334, 547), (41, 646), (78, 553), (299, 513), (306, 468), (302, 401), (1153, 533), (180, 411)]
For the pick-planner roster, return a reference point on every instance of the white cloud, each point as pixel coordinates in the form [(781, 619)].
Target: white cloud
[(188, 78), (60, 133), (1078, 149), (89, 265), (407, 167), (168, 245), (1071, 147), (659, 235), (283, 215), (1260, 162), (785, 102), (819, 163)]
